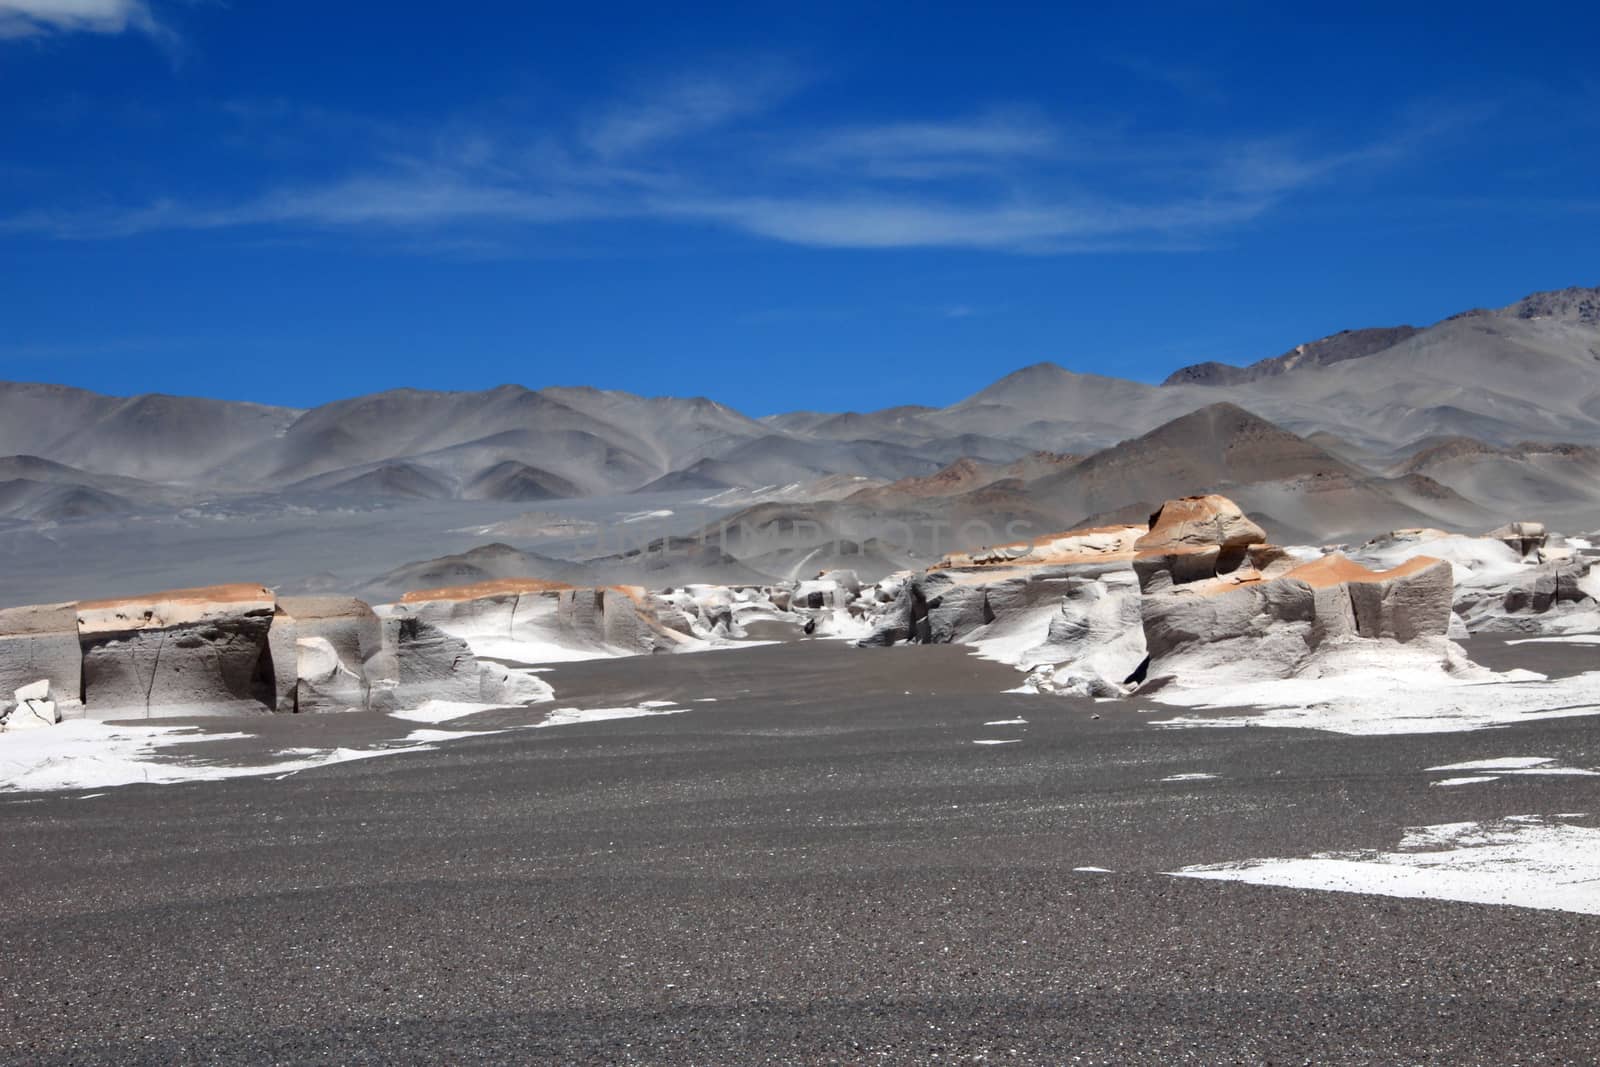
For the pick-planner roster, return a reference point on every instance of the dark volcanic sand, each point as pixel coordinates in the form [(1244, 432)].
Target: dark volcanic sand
[(816, 868)]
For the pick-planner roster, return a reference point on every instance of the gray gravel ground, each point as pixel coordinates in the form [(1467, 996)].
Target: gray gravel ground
[(820, 867)]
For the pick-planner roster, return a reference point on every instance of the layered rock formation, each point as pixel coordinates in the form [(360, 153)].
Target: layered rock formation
[(1197, 595), (334, 646), (534, 621), (1067, 600), (1220, 603), (186, 652), (1517, 579)]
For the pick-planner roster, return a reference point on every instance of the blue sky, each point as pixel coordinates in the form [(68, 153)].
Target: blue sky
[(781, 206)]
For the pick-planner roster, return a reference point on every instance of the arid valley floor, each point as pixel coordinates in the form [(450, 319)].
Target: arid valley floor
[(820, 865)]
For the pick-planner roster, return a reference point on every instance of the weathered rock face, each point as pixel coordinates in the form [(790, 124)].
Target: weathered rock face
[(612, 617), (429, 664), (187, 652), (1098, 633), (1503, 583), (1068, 600), (1526, 539), (327, 642), (1197, 538), (1092, 544), (716, 613), (1548, 586), (236, 649), (42, 642), (1238, 608)]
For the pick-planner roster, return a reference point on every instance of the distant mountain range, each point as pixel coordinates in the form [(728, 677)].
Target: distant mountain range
[(1459, 423)]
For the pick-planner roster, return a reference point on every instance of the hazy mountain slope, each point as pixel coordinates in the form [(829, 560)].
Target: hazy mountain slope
[(1342, 346), (1528, 371), (779, 460), (676, 430), (22, 498), (154, 437), (1550, 482), (963, 476), (587, 462), (1488, 376), (406, 423)]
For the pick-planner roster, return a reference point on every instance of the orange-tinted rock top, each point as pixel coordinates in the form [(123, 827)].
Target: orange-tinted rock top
[(482, 590), (237, 593), (1337, 569)]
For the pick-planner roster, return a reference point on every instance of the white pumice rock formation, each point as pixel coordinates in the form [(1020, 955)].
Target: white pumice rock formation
[(1067, 600), (186, 652), (332, 640), (1218, 606), (31, 706), (1517, 579), (1526, 539), (420, 663), (831, 604)]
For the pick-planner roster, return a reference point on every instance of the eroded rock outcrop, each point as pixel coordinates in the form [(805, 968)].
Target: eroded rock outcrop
[(1517, 579), (1219, 605), (186, 652), (1067, 600), (335, 644), (1526, 539)]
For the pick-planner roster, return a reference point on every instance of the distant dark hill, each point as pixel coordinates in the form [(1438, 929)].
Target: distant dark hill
[(481, 564), (22, 498), (510, 480), (1216, 446), (394, 480)]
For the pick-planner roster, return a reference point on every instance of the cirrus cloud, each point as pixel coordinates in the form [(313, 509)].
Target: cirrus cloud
[(34, 18)]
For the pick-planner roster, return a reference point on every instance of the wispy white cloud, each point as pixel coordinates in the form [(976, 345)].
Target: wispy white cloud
[(928, 150), (1060, 225), (1011, 181), (33, 18), (687, 105)]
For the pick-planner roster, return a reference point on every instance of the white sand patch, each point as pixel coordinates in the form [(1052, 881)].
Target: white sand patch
[(437, 711), (1517, 765), (572, 716), (1527, 861), (84, 754), (1009, 639), (521, 650), (1564, 639), (1471, 779), (1499, 763), (1196, 777), (1574, 771), (1377, 703), (998, 741), (1007, 722), (423, 736)]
